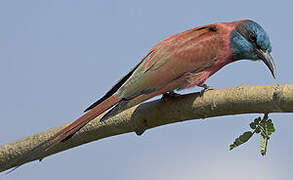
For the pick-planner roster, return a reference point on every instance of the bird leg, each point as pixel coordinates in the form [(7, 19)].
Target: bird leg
[(205, 88)]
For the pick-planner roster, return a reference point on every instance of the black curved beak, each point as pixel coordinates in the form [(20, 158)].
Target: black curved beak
[(267, 59)]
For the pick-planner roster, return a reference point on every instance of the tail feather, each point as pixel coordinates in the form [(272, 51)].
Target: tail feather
[(86, 118), (66, 132)]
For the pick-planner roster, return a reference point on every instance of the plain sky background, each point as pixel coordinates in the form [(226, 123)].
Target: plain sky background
[(57, 57)]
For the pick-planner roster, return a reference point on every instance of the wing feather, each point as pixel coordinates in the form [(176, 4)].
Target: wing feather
[(117, 85)]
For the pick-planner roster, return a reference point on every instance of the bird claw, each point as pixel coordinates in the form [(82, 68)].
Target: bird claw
[(170, 94), (206, 88)]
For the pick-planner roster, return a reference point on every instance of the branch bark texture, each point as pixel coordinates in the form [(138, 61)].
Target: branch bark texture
[(238, 100)]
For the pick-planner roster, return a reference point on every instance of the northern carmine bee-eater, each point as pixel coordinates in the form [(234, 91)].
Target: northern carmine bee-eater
[(181, 61)]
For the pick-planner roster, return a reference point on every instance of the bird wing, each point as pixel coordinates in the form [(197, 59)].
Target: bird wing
[(117, 85), (192, 52), (167, 61)]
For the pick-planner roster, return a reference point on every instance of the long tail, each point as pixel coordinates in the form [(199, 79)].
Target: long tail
[(86, 118), (66, 132)]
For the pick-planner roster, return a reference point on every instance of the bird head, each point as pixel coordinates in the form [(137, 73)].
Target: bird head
[(250, 41)]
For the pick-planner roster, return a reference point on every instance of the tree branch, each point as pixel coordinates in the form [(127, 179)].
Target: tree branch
[(238, 100)]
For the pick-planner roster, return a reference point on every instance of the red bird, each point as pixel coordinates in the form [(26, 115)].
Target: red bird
[(181, 61)]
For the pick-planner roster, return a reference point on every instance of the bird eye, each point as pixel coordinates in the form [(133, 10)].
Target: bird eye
[(252, 37)]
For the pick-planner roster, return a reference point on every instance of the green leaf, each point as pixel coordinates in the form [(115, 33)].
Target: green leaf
[(270, 127), (241, 139), (263, 134), (257, 120), (263, 152), (252, 125), (263, 147)]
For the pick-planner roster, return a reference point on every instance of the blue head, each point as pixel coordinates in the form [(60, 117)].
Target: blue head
[(250, 41)]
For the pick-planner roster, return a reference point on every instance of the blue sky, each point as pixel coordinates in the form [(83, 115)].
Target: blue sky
[(57, 57)]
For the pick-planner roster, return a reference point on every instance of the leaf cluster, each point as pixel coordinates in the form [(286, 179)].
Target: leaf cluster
[(263, 126)]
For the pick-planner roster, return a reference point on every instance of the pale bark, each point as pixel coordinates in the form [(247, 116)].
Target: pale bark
[(238, 100)]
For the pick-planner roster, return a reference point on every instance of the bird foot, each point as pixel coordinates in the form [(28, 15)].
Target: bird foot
[(170, 94), (206, 88)]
